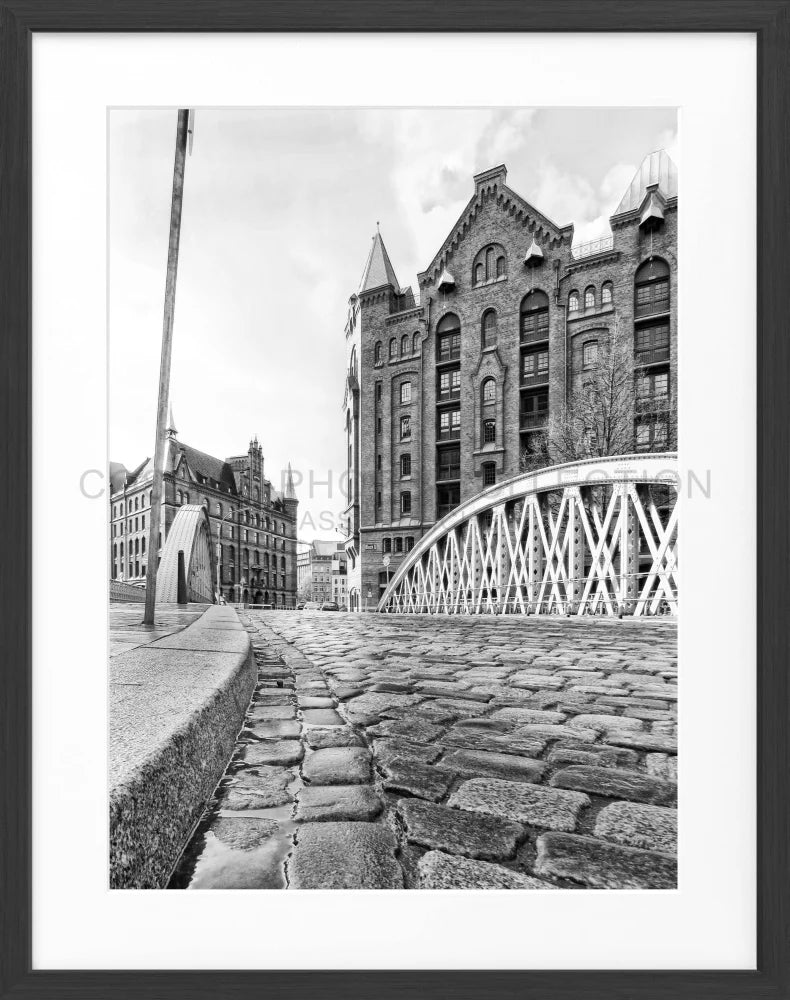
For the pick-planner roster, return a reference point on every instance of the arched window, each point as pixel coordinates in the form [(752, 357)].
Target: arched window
[(489, 431), (448, 338), (534, 317), (415, 343), (589, 297), (590, 354), (393, 348), (488, 331), (573, 302), (489, 391), (651, 288), (219, 510), (489, 264), (404, 344), (606, 293), (377, 353)]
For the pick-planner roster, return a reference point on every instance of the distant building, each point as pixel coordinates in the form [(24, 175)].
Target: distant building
[(451, 394), (322, 572), (253, 524)]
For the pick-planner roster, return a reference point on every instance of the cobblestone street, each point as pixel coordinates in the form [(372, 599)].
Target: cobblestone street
[(434, 753)]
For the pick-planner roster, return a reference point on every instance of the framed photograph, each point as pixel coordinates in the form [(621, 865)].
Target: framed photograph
[(395, 616)]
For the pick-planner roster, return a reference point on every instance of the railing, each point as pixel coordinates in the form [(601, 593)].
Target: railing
[(447, 394), (587, 538), (528, 421), (452, 435), (601, 245), (534, 378), (651, 355), (534, 336)]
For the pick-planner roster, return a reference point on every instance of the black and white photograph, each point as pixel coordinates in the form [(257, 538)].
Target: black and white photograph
[(393, 517)]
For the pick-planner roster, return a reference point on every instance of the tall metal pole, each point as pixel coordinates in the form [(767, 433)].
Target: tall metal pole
[(182, 129)]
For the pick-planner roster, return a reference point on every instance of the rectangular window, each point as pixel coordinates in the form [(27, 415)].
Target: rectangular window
[(387, 545), (447, 498), (378, 392), (405, 465), (534, 409), (405, 392), (378, 425), (448, 463), (590, 354), (535, 365), (398, 545), (652, 298), (378, 500), (489, 474), (535, 325), (450, 424), (405, 503), (652, 344), (405, 428), (448, 347), (409, 543)]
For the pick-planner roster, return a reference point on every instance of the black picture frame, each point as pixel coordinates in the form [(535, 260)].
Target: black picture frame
[(769, 20)]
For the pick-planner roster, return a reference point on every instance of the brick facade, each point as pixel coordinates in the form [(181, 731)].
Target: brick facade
[(254, 524), (479, 400)]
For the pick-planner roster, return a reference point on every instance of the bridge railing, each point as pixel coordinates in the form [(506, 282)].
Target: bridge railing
[(597, 537)]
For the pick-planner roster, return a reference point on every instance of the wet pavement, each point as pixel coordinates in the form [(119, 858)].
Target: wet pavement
[(128, 632), (384, 751)]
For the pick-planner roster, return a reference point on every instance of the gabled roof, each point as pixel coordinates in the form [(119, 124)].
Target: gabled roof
[(656, 168), (207, 466), (491, 183), (378, 268)]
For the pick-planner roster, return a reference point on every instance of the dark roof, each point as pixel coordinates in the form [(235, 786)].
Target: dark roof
[(207, 466)]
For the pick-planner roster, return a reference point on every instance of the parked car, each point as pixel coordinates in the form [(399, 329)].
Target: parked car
[(329, 606), (311, 606), (300, 606)]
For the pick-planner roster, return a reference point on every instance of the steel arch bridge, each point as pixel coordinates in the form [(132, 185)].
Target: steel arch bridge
[(191, 533), (590, 537)]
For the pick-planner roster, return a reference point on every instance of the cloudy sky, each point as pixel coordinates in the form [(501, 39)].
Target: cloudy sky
[(279, 210)]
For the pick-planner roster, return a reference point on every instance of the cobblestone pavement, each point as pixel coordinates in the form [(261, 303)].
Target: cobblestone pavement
[(434, 753)]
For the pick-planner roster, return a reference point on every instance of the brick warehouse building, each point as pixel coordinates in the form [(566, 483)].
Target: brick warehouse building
[(254, 524), (451, 394)]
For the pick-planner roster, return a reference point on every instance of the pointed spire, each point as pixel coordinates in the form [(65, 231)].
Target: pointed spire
[(290, 492), (378, 267), (171, 424)]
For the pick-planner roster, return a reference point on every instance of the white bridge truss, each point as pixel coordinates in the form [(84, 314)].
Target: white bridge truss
[(592, 537)]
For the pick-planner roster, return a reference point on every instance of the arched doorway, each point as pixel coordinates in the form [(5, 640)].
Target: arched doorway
[(258, 597), (266, 597)]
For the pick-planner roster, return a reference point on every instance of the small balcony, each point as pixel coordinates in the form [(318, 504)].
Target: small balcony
[(652, 355), (532, 379), (602, 245), (535, 335), (533, 419), (652, 403)]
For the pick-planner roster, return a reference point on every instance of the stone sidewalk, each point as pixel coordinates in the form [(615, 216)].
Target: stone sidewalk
[(463, 752)]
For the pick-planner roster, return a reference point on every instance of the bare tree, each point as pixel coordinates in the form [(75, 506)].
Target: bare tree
[(598, 418)]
